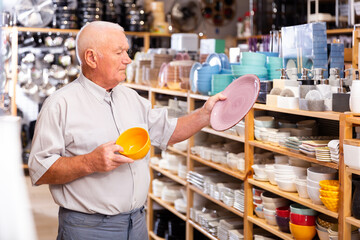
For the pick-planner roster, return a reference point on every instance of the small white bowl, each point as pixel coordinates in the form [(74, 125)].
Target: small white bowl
[(286, 185), (321, 173), (264, 121), (314, 195), (259, 170), (301, 189), (270, 216), (312, 183)]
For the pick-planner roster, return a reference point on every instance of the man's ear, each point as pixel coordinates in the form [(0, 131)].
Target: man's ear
[(91, 58)]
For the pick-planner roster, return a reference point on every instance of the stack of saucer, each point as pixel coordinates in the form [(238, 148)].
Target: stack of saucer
[(236, 234), (308, 147), (239, 200), (323, 154), (333, 146)]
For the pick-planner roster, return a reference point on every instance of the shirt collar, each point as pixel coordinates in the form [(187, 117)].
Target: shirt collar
[(100, 93)]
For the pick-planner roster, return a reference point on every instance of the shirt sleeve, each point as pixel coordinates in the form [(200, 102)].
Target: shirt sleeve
[(161, 127), (48, 142)]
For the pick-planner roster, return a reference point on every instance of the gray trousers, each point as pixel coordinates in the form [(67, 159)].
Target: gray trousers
[(81, 226)]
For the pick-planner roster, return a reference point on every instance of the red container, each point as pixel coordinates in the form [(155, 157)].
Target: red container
[(283, 211), (303, 220)]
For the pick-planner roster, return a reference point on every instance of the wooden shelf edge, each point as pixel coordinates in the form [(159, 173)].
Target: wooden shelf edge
[(203, 231), (137, 86), (273, 229), (353, 221), (169, 92), (198, 96), (284, 151), (293, 197), (169, 174), (167, 206), (223, 134), (218, 202), (353, 171), (219, 167), (353, 120), (177, 151), (154, 236), (325, 115)]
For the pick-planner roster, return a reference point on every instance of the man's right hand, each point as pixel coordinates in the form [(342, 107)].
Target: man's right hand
[(106, 157)]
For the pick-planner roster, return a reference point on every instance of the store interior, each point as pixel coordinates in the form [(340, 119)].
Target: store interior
[(282, 163)]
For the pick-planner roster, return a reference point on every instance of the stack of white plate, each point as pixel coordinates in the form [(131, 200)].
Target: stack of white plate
[(158, 185), (239, 200), (236, 234), (171, 193), (182, 170), (228, 224), (334, 150), (180, 205)]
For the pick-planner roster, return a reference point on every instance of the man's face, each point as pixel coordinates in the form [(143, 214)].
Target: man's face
[(113, 58)]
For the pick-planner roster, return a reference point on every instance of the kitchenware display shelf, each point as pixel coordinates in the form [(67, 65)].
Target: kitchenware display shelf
[(246, 176), (223, 134), (347, 123), (293, 197), (177, 151)]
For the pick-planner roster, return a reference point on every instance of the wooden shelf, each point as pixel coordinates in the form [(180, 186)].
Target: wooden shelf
[(353, 120), (223, 134), (273, 229), (218, 202), (293, 197), (339, 31), (198, 96), (137, 86), (219, 167), (177, 151), (325, 115), (154, 236), (287, 152), (43, 30), (168, 206), (169, 174), (353, 171), (353, 221), (203, 231), (25, 167), (169, 92)]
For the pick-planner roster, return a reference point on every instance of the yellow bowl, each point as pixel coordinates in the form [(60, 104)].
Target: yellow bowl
[(331, 203), (135, 142), (329, 194), (329, 185), (302, 232)]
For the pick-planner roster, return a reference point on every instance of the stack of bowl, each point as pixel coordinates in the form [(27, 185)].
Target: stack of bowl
[(300, 183), (219, 82), (282, 215), (323, 224), (258, 205), (272, 201), (204, 75), (314, 176), (329, 194), (285, 176), (302, 222), (251, 63)]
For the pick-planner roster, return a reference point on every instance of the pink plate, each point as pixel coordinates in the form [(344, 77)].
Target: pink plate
[(241, 96)]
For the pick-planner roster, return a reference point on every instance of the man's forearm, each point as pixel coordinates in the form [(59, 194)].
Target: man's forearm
[(189, 125), (66, 169)]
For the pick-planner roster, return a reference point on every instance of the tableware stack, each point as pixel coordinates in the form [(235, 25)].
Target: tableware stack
[(329, 194), (171, 161), (260, 174), (272, 201), (251, 63), (285, 176), (219, 82), (239, 200), (282, 215), (273, 65), (171, 192), (301, 187), (258, 203), (65, 16), (228, 224), (236, 234), (302, 222), (158, 185), (314, 176), (204, 76), (333, 146), (323, 154), (323, 225), (309, 147), (89, 11)]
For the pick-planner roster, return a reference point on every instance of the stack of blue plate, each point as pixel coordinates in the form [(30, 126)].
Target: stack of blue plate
[(204, 75), (273, 65), (219, 82)]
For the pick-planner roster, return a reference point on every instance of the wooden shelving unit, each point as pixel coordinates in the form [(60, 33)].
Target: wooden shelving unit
[(203, 231), (273, 229), (223, 134), (168, 206), (353, 221), (177, 151), (169, 175)]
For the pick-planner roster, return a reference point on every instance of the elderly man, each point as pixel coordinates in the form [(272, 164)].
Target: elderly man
[(101, 193)]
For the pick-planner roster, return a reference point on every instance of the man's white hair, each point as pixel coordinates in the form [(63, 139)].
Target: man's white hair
[(101, 25)]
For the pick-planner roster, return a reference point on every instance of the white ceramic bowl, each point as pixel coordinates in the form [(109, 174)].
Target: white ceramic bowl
[(271, 175), (312, 183), (314, 194), (269, 215), (286, 185), (323, 235), (264, 121), (259, 170), (321, 173), (269, 197), (259, 213), (301, 189)]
